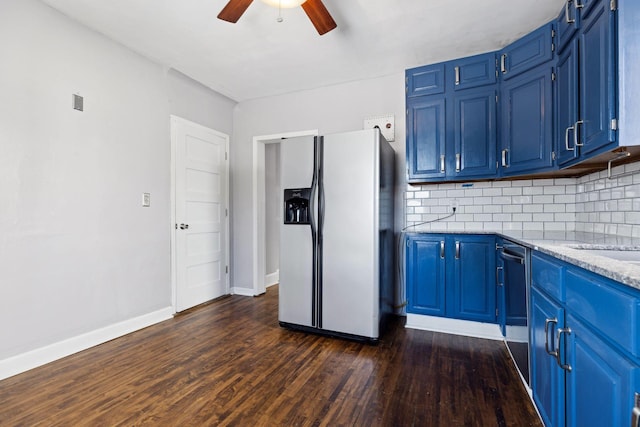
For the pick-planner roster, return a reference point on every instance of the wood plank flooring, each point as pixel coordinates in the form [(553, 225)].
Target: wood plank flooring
[(228, 363)]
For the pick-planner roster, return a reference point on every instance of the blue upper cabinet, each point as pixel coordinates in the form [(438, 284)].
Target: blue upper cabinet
[(567, 23), (528, 52), (426, 137), (566, 108), (586, 97), (475, 133), (474, 71), (526, 122), (595, 127), (427, 80), (451, 120), (526, 141)]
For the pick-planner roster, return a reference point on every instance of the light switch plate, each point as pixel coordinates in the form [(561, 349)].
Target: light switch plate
[(146, 200), (386, 123)]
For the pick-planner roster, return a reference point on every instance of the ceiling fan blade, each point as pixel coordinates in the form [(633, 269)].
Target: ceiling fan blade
[(234, 10), (319, 16)]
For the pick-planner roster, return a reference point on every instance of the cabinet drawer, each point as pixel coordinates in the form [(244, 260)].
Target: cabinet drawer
[(427, 80), (616, 314), (547, 275)]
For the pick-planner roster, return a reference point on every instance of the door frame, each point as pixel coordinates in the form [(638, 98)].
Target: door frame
[(258, 236), (226, 243)]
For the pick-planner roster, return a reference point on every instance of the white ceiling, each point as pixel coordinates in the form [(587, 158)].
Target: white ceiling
[(259, 57)]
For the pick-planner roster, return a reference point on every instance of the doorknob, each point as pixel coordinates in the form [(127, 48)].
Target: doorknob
[(184, 226)]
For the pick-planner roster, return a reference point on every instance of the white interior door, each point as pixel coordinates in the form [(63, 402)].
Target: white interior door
[(201, 227)]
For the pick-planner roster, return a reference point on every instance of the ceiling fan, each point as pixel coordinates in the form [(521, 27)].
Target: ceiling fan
[(315, 10)]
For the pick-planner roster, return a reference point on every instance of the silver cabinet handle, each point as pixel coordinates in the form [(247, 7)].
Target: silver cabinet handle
[(579, 5), (547, 322), (567, 18), (442, 249), (635, 413), (498, 282), (561, 331), (504, 158), (184, 226), (442, 163), (566, 138), (457, 250), (503, 63), (457, 162), (457, 69), (576, 134)]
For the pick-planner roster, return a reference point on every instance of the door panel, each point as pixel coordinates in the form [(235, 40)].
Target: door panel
[(349, 242), (597, 95), (296, 293), (599, 374), (426, 275), (547, 379), (426, 138), (475, 133), (201, 175), (474, 290), (567, 104)]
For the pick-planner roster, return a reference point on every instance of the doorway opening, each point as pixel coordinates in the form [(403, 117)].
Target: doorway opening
[(263, 158)]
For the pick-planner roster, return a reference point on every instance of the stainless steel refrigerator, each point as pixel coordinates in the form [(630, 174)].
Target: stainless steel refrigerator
[(336, 237)]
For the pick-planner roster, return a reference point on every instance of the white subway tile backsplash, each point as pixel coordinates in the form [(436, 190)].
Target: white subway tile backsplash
[(590, 203)]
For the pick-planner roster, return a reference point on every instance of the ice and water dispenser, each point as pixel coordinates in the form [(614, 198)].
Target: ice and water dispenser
[(297, 206)]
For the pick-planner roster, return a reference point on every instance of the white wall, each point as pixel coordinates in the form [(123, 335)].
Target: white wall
[(331, 109), (273, 207), (77, 250), (193, 101)]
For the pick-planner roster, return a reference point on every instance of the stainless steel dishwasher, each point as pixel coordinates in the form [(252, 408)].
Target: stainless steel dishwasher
[(514, 261)]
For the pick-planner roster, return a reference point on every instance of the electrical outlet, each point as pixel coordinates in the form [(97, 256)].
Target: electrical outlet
[(146, 200), (453, 205)]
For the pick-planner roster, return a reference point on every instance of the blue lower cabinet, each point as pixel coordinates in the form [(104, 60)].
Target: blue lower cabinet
[(600, 381), (547, 377), (451, 276), (425, 275), (473, 291), (584, 371)]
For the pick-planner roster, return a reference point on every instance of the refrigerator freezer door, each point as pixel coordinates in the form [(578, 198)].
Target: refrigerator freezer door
[(349, 251), (296, 240)]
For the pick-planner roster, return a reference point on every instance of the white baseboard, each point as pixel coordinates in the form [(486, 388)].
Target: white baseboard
[(41, 356), (247, 292), (454, 326), (272, 279)]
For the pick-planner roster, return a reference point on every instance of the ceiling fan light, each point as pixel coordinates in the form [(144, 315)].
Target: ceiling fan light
[(285, 4)]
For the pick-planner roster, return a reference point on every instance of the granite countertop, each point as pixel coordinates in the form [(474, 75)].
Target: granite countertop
[(591, 251)]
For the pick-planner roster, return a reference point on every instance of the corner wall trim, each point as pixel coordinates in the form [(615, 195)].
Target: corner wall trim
[(247, 292), (41, 356)]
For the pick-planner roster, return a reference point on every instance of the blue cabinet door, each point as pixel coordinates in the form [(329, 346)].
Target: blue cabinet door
[(473, 71), (473, 294), (475, 135), (567, 24), (528, 52), (426, 137), (547, 378), (427, 80), (566, 108), (425, 274), (527, 138), (601, 382), (597, 80)]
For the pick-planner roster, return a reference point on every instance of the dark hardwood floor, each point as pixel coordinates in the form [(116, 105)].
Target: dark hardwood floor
[(229, 363)]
